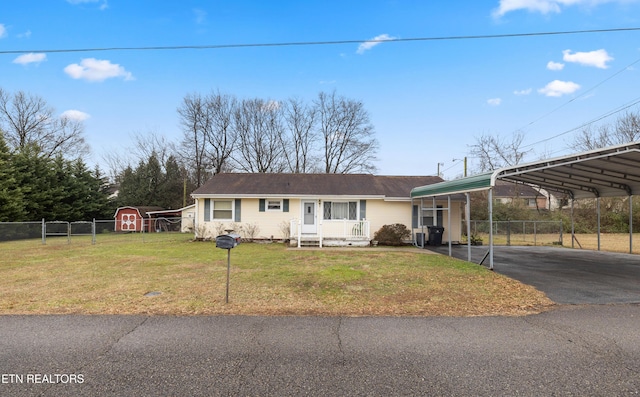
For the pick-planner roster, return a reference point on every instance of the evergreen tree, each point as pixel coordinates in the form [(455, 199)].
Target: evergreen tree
[(152, 184), (35, 175), (11, 198)]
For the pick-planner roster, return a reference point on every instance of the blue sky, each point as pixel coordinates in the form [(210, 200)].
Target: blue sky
[(428, 100)]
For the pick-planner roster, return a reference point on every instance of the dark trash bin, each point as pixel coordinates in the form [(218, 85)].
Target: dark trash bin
[(435, 235)]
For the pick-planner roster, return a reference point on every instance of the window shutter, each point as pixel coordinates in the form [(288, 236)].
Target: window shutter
[(414, 217), (207, 210), (237, 216), (363, 209), (261, 205), (285, 205)]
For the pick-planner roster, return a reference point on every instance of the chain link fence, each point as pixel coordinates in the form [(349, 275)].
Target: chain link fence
[(517, 232), (92, 232)]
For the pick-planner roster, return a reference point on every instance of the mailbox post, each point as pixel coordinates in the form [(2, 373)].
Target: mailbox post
[(228, 241)]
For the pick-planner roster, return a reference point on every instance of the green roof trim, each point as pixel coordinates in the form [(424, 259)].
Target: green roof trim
[(462, 185)]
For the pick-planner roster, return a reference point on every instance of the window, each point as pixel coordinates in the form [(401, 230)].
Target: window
[(532, 202), (222, 209), (274, 205), (340, 210), (427, 217)]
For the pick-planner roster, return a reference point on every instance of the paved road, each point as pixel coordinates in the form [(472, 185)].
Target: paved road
[(572, 350), (569, 276)]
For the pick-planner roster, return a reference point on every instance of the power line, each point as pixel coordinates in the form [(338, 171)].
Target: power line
[(313, 43), (576, 98), (602, 117)]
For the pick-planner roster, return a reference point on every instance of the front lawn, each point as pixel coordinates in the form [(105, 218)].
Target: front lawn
[(266, 279)]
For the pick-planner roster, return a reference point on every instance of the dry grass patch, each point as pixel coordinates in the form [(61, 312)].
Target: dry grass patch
[(611, 242), (265, 280)]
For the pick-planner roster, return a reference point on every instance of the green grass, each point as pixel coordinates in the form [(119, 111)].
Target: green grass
[(113, 277)]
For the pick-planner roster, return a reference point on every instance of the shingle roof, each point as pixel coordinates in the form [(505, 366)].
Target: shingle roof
[(314, 184)]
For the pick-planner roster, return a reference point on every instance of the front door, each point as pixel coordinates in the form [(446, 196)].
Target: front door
[(309, 223)]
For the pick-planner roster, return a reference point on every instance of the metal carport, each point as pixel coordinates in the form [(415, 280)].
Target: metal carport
[(608, 172)]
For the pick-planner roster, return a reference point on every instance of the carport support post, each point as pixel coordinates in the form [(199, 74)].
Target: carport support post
[(630, 224), (468, 218), (491, 229), (573, 229), (449, 220), (421, 220), (598, 212)]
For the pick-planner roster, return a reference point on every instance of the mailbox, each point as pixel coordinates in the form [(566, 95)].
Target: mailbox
[(227, 241)]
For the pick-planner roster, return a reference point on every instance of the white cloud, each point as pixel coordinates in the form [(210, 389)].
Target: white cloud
[(3, 31), (103, 3), (494, 101), (30, 58), (92, 69), (367, 45), (74, 115), (24, 35), (545, 6), (522, 92), (201, 16), (598, 58), (555, 65), (559, 88)]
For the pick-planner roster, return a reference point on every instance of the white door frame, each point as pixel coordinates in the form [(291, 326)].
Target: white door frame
[(306, 227)]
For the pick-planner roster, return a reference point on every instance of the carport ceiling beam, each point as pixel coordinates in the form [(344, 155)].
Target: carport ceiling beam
[(590, 180), (613, 173), (537, 184), (546, 182), (631, 163)]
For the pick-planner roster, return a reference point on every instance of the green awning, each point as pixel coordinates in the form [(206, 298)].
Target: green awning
[(463, 185)]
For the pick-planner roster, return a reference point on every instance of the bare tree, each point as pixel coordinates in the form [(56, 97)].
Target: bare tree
[(217, 125), (152, 142), (27, 120), (347, 135), (298, 144), (208, 139), (258, 125), (494, 152), (194, 142), (625, 130)]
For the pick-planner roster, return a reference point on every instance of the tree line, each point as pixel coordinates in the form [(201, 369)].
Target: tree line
[(221, 133), (43, 173)]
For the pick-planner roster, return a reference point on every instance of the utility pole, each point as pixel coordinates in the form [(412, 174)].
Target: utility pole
[(439, 164), (465, 165)]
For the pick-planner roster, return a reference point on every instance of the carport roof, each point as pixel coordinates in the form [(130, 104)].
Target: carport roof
[(608, 172)]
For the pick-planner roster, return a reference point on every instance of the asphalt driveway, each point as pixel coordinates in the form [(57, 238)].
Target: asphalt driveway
[(567, 276)]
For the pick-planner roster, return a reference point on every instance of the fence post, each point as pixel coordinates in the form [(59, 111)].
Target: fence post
[(93, 232), (508, 233), (561, 230), (68, 233), (44, 232), (535, 234)]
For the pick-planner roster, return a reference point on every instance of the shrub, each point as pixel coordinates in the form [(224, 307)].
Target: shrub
[(392, 234), (250, 230)]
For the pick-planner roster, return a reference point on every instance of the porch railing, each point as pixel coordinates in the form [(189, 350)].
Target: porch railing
[(333, 229)]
